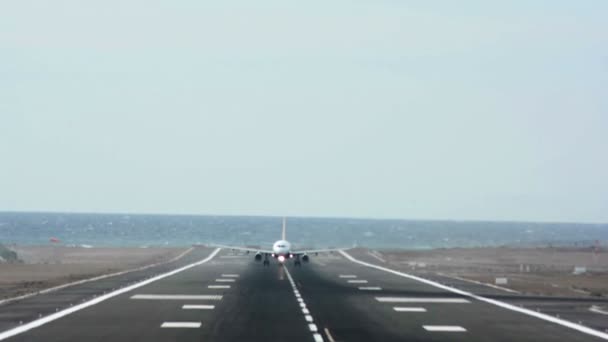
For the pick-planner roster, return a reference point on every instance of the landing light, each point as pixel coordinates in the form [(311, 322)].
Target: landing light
[(281, 258)]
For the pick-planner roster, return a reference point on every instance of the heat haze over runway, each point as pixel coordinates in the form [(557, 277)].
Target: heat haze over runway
[(222, 295)]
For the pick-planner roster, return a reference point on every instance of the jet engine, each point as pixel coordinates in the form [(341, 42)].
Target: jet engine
[(258, 256), (305, 258)]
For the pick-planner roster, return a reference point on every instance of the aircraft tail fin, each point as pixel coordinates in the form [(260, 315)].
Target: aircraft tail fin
[(284, 235)]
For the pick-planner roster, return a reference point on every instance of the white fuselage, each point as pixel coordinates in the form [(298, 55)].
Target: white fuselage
[(281, 250)]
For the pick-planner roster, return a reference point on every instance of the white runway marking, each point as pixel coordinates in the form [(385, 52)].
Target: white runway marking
[(421, 300), (357, 281), (230, 275), (313, 328), (198, 307), (444, 328), (408, 309), (598, 310), (44, 320), (181, 325), (347, 276), (559, 321), (176, 297), (218, 286), (222, 280), (479, 283), (370, 288)]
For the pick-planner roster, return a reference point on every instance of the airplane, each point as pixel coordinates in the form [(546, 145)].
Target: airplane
[(281, 251)]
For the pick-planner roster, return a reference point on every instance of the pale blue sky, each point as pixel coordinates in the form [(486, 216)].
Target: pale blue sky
[(405, 109)]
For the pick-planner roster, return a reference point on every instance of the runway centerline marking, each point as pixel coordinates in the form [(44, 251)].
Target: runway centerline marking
[(181, 325), (347, 276), (408, 309), (44, 320), (357, 281), (175, 297), (422, 300), (198, 307), (559, 321), (222, 280), (370, 288), (232, 275), (307, 316), (444, 328), (218, 286)]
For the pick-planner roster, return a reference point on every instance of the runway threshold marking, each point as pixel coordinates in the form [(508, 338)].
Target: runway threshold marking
[(198, 307), (422, 300), (444, 328), (176, 297), (408, 309), (307, 316), (545, 317), (181, 325)]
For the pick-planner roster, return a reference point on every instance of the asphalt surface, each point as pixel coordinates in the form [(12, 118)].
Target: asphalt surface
[(240, 300)]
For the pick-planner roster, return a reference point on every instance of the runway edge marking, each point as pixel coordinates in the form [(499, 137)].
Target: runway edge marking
[(44, 320), (559, 321)]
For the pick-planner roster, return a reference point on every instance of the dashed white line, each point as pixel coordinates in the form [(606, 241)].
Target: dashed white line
[(307, 316), (357, 281), (408, 309), (181, 325), (176, 297), (218, 286), (421, 300), (230, 275), (198, 307), (578, 327), (347, 276), (222, 280), (370, 288), (444, 328)]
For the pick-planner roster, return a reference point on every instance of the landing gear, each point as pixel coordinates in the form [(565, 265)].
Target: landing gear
[(297, 263), (266, 262)]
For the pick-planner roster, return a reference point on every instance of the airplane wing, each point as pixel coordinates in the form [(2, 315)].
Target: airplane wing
[(310, 251), (244, 249)]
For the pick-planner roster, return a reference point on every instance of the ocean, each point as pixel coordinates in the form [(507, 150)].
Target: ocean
[(101, 230)]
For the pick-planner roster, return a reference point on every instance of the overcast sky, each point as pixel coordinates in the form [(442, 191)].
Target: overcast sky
[(403, 109)]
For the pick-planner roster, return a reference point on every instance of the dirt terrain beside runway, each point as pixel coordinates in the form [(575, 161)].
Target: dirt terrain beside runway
[(48, 266), (538, 271)]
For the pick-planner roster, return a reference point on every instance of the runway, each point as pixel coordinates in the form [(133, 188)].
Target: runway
[(213, 295)]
